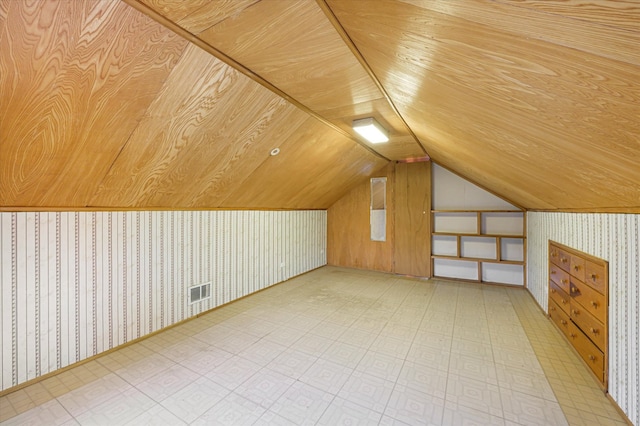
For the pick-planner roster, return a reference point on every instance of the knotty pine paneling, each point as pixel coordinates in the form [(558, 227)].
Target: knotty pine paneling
[(75, 284), (547, 126), (348, 233), (614, 238), (76, 79), (412, 242)]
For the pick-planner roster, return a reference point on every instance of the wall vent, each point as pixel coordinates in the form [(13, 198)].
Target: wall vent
[(199, 292)]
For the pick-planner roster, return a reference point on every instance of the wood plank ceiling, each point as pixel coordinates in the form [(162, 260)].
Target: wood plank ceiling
[(178, 104)]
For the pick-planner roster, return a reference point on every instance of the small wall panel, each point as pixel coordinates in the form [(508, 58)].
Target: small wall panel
[(74, 284), (458, 269), (444, 245), (503, 223), (512, 249), (503, 273), (478, 247), (458, 222)]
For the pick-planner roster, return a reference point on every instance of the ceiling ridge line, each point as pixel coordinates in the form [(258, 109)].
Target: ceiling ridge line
[(192, 38), (326, 9)]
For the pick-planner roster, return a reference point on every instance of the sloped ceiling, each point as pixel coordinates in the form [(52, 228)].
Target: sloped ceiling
[(178, 104)]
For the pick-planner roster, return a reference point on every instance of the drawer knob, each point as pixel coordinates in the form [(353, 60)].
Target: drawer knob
[(563, 322), (575, 311), (572, 334), (593, 330), (592, 358), (594, 276), (594, 304), (564, 302), (576, 268), (563, 281), (553, 272), (553, 308), (574, 289), (553, 290), (563, 260)]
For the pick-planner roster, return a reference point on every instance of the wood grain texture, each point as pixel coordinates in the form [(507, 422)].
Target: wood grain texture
[(348, 234), (412, 243), (514, 117), (76, 78), (573, 28), (295, 47), (209, 144), (104, 108), (622, 14), (196, 16), (311, 161)]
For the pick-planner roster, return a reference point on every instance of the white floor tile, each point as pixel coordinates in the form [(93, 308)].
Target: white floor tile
[(233, 410), (193, 400), (302, 404), (414, 408), (118, 410), (368, 391), (342, 412)]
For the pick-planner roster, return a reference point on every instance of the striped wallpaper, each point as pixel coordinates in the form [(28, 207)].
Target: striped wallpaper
[(74, 284), (615, 238)]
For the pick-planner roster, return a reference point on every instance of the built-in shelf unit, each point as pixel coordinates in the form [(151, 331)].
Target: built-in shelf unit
[(479, 245)]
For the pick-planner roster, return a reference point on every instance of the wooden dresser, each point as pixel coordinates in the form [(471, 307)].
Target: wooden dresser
[(579, 302)]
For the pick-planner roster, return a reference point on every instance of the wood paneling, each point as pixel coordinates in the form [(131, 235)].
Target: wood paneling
[(412, 251), (294, 47), (537, 101), (104, 108), (511, 112), (407, 248), (348, 233), (196, 16), (75, 80)]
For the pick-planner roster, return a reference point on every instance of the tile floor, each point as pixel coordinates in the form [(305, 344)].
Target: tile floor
[(336, 347)]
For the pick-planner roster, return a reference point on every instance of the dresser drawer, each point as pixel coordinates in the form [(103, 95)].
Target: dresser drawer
[(590, 299), (559, 277), (554, 255), (590, 325), (564, 260), (561, 298), (560, 318), (596, 276), (587, 350), (577, 267)]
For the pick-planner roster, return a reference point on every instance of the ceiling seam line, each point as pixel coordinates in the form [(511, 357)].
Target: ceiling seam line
[(356, 52), (197, 41)]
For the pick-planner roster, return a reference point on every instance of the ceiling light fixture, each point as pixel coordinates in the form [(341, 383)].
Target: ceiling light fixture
[(371, 130)]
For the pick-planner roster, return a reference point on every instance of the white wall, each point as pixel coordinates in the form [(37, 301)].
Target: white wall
[(451, 192), (615, 238), (74, 284)]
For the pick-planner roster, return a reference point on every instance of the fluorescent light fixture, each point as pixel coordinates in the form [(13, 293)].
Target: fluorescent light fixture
[(371, 130)]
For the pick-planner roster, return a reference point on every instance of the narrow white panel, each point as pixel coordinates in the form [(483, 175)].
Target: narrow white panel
[(444, 245), (462, 223), (502, 223), (512, 249), (6, 319), (478, 247), (460, 269), (502, 273)]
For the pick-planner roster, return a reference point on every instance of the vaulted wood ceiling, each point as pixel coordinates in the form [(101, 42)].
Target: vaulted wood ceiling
[(178, 104)]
